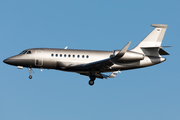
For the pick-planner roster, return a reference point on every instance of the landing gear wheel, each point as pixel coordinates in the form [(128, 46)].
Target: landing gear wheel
[(91, 82), (30, 72), (30, 77)]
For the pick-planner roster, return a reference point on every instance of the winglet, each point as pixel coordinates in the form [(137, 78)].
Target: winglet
[(125, 48), (123, 51)]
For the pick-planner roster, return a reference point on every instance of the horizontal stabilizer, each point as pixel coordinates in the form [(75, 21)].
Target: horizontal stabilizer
[(163, 52), (165, 46), (154, 51)]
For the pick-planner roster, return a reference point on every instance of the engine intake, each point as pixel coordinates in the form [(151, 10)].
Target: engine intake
[(130, 56)]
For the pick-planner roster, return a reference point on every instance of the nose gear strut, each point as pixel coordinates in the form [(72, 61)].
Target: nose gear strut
[(30, 72)]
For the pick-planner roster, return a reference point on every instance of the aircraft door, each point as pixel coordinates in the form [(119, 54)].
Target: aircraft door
[(38, 57)]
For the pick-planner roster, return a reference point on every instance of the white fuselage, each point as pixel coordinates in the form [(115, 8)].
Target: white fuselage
[(66, 59)]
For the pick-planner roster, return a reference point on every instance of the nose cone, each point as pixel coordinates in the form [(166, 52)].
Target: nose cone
[(16, 61), (7, 61), (4, 61), (10, 61)]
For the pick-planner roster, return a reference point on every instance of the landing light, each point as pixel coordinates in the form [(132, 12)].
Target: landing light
[(20, 67)]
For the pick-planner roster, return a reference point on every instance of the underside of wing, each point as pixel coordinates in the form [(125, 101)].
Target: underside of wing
[(98, 75), (101, 65)]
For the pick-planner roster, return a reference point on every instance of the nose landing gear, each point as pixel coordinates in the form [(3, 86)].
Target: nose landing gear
[(30, 72), (30, 76)]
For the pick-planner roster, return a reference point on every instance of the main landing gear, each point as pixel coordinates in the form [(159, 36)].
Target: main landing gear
[(92, 76), (92, 79), (30, 72), (91, 82)]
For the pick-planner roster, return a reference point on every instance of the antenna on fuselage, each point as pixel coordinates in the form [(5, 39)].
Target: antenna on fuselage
[(66, 47)]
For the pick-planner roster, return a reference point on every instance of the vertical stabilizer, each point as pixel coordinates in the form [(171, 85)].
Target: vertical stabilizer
[(153, 40)]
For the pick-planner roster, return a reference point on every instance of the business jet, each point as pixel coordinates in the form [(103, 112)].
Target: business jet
[(95, 63)]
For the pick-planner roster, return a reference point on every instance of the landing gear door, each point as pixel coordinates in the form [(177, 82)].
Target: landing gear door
[(39, 58)]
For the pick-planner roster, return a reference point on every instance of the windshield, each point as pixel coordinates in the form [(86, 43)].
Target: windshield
[(25, 52)]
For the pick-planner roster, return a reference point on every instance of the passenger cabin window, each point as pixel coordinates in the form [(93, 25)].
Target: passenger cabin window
[(61, 55)]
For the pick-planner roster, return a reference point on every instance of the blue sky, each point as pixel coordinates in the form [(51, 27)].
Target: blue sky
[(143, 94)]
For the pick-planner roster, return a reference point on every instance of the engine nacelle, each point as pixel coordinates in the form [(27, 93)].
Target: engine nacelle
[(130, 56)]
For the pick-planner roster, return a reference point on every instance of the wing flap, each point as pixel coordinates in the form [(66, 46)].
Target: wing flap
[(99, 75), (113, 74)]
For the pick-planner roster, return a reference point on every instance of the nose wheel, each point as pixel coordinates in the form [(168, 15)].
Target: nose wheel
[(30, 76), (30, 72)]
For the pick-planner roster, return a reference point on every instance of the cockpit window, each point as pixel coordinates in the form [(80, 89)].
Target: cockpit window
[(25, 52), (21, 52), (28, 52)]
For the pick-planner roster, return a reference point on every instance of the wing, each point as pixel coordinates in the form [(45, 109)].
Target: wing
[(105, 64)]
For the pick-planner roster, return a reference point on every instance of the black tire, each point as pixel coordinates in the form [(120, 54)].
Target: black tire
[(30, 77), (91, 82)]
